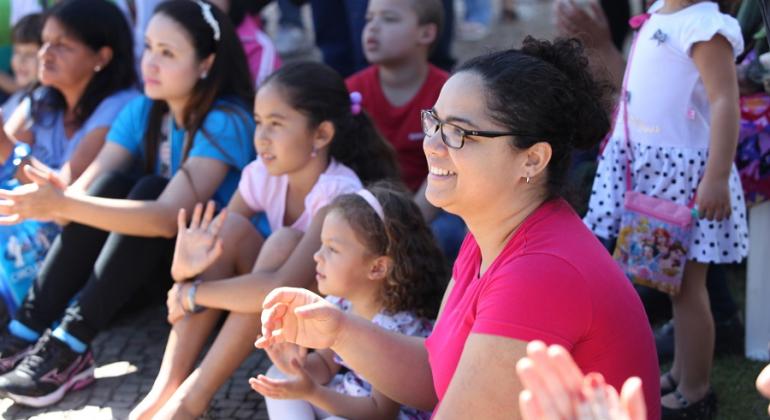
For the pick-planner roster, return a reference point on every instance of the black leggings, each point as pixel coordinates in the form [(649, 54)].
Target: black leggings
[(106, 269)]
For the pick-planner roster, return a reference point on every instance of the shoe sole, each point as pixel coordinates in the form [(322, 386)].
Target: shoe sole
[(77, 382)]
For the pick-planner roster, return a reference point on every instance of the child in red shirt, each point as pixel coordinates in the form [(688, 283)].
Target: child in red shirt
[(397, 40)]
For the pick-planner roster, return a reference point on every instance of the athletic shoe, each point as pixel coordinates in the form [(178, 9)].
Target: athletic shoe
[(46, 374), (12, 350)]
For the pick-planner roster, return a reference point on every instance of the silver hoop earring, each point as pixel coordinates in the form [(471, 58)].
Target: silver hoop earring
[(97, 68)]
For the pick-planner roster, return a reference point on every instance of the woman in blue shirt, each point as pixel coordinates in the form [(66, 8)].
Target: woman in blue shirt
[(86, 77), (188, 139)]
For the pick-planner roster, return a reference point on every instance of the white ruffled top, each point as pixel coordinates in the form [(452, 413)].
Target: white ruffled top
[(668, 105)]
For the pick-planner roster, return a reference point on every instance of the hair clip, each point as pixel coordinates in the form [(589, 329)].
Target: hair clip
[(355, 102), (208, 16)]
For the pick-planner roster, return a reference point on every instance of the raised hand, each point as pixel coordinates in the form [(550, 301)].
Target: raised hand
[(199, 245), (556, 389), (297, 386), (299, 316)]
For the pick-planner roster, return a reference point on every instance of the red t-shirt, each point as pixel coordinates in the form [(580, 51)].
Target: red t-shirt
[(401, 125), (553, 282)]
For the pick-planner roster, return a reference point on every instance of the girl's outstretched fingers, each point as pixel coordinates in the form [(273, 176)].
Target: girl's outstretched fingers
[(181, 221), (219, 221), (549, 377), (528, 407), (541, 398), (195, 222), (565, 368), (262, 384), (632, 399)]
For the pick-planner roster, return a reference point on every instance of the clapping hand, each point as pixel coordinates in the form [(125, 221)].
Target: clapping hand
[(282, 354), (37, 200), (297, 386), (299, 316), (556, 389)]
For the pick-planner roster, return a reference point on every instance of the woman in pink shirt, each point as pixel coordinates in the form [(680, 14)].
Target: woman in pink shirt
[(498, 144)]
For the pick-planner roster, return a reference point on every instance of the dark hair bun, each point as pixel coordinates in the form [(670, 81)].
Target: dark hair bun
[(545, 89), (589, 101)]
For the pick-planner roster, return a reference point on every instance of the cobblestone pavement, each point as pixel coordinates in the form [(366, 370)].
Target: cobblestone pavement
[(127, 359), (128, 354)]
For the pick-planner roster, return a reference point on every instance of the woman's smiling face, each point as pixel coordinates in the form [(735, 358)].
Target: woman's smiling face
[(463, 181)]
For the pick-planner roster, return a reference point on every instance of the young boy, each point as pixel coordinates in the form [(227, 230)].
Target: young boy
[(397, 40)]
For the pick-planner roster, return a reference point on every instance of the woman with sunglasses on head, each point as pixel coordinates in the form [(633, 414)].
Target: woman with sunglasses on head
[(498, 143)]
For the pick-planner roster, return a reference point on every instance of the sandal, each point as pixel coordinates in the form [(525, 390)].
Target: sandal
[(704, 409), (670, 386)]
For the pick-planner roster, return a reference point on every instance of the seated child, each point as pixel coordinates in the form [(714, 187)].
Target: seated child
[(367, 266)]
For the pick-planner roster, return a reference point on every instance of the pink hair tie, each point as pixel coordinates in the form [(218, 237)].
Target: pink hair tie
[(637, 21), (372, 201), (355, 102)]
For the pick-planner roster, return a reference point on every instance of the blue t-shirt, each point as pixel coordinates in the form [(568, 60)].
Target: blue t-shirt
[(12, 103), (226, 135), (52, 147)]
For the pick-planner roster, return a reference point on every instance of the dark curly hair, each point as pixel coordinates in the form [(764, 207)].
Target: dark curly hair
[(419, 275), (546, 89)]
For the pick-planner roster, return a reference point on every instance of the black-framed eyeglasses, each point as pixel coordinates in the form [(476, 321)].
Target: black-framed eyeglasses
[(454, 136)]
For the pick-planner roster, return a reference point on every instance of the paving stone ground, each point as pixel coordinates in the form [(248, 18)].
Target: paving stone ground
[(127, 358), (128, 354)]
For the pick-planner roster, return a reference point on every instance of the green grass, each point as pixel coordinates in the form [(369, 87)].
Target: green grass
[(733, 380), (733, 376)]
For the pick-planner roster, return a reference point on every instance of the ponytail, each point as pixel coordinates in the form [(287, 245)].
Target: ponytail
[(317, 91), (361, 147)]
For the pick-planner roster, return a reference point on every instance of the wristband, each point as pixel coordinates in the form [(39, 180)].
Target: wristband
[(193, 308)]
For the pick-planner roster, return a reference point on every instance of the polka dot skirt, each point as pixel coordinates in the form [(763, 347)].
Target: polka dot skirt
[(672, 174)]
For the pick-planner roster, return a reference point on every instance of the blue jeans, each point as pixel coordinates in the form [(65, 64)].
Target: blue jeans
[(338, 27), (449, 231), (478, 11)]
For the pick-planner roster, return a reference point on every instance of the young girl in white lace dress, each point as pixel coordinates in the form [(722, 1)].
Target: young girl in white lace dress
[(682, 102), (378, 260)]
